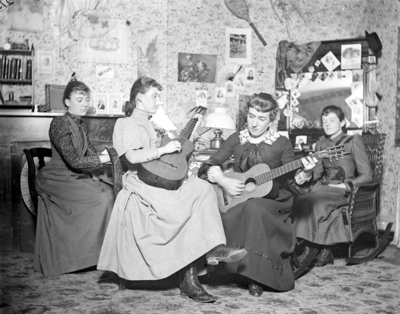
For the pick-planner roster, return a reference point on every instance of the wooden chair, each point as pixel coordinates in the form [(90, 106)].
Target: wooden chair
[(364, 204), (119, 166), (40, 153)]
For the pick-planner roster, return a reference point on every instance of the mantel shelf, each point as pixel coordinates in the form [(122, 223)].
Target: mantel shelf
[(15, 81)]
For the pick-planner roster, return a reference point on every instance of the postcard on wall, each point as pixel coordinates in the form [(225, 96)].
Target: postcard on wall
[(115, 101), (330, 61), (351, 56), (104, 40), (220, 95), (249, 74), (45, 62), (197, 67), (229, 89), (101, 104), (238, 45), (201, 98), (239, 81)]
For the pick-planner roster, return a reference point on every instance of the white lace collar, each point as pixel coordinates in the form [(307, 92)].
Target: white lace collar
[(269, 137)]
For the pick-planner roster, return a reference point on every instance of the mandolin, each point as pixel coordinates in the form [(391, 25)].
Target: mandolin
[(258, 180), (169, 171)]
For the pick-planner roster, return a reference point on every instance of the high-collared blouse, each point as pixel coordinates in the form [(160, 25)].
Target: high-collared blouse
[(61, 137)]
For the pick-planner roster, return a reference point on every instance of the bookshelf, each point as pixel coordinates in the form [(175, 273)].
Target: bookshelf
[(16, 72)]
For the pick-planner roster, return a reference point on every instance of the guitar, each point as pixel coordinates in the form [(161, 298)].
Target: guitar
[(258, 180), (169, 171)]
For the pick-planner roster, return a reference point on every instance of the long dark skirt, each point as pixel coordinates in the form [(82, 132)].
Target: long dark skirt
[(317, 215), (73, 215), (263, 227)]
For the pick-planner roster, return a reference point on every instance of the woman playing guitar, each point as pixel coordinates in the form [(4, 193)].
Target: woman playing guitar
[(154, 232)]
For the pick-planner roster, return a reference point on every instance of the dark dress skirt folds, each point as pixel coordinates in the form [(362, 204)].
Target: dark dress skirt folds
[(262, 225)]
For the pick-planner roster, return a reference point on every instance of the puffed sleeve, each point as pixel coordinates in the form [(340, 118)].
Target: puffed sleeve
[(360, 158)]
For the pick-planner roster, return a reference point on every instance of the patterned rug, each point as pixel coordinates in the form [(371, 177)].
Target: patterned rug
[(368, 288)]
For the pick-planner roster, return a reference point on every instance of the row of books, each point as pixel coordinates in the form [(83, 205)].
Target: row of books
[(12, 68)]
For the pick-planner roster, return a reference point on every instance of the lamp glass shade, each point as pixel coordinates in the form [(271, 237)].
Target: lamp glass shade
[(219, 119)]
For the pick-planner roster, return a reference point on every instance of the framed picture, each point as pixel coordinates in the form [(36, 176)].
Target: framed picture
[(53, 98), (238, 45), (201, 98), (101, 104), (45, 62), (115, 101)]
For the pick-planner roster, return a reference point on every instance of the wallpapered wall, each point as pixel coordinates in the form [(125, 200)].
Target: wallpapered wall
[(198, 26)]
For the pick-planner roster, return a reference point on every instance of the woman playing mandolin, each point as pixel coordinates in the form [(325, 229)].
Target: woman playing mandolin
[(261, 224), (318, 218), (154, 232)]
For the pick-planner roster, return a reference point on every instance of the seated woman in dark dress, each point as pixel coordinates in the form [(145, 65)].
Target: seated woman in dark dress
[(74, 209), (261, 225), (318, 216)]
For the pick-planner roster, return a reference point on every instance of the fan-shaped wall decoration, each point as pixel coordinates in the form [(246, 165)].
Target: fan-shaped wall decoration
[(227, 71)]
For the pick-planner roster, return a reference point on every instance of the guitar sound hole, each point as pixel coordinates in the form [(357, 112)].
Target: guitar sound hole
[(250, 184)]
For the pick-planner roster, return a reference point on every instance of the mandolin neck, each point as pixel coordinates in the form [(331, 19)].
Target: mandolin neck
[(188, 130)]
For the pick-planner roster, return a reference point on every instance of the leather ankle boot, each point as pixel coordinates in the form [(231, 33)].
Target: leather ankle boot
[(324, 257), (190, 286), (255, 289), (223, 253)]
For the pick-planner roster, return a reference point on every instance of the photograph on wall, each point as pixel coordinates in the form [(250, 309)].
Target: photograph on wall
[(25, 15), (115, 101), (104, 40), (351, 56), (101, 103), (230, 89), (330, 61), (249, 74), (220, 95), (201, 98), (239, 81), (238, 45), (197, 67), (45, 62)]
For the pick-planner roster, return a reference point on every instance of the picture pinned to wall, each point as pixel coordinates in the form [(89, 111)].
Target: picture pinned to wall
[(101, 104), (201, 98), (25, 15), (239, 81), (351, 56), (229, 89), (104, 72), (330, 61), (238, 45), (148, 50), (115, 101), (220, 95), (104, 40), (197, 67), (45, 62), (249, 74)]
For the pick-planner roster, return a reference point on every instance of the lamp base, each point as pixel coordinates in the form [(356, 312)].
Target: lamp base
[(217, 141)]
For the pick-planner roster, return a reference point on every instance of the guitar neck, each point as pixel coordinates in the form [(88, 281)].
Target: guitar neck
[(277, 172), (280, 171)]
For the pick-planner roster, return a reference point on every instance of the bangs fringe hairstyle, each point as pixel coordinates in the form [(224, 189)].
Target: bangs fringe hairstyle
[(337, 111), (263, 102), (73, 87), (141, 85)]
